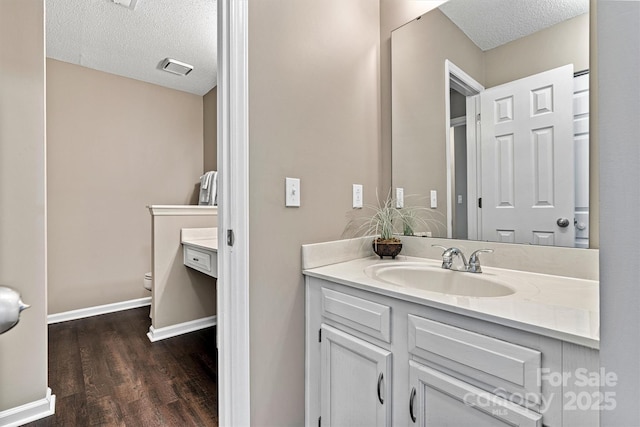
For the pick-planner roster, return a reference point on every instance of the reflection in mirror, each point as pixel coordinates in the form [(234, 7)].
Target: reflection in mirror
[(493, 116)]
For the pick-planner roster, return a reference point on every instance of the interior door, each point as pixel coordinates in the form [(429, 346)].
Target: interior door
[(527, 163)]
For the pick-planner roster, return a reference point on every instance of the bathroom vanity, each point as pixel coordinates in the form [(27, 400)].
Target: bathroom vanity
[(183, 300), (384, 347), (200, 249)]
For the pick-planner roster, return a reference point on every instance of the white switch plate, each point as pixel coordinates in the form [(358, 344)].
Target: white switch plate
[(434, 199), (357, 196), (399, 197), (459, 199), (292, 189)]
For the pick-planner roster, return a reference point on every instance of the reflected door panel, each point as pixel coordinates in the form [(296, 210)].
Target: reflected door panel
[(527, 160)]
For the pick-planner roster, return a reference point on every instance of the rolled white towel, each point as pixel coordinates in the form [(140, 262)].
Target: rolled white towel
[(205, 180), (208, 185), (214, 189)]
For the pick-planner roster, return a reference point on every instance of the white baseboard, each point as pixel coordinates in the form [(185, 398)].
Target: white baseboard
[(99, 309), (181, 328), (29, 412)]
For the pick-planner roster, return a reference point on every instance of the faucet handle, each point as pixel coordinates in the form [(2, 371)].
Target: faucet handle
[(474, 261), (446, 256), (444, 248)]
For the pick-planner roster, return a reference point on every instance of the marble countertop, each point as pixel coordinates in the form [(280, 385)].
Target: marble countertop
[(559, 307), (202, 238)]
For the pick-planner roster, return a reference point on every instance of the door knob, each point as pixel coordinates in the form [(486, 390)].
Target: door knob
[(10, 307), (562, 222)]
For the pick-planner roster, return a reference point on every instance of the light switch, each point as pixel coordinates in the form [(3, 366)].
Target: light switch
[(292, 195), (357, 196), (434, 199), (459, 199), (399, 197)]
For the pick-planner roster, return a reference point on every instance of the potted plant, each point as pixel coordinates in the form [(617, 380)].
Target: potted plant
[(386, 222)]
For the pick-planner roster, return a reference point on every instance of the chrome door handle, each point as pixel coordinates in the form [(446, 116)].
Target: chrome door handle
[(562, 222), (10, 307), (380, 378), (412, 397)]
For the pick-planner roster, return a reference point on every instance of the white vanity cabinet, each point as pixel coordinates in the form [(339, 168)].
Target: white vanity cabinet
[(374, 359), (437, 399), (355, 378)]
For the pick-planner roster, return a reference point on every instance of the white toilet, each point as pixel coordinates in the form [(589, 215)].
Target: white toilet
[(147, 281), (147, 284)]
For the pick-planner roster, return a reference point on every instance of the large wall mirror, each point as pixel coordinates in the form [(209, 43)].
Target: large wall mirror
[(490, 110)]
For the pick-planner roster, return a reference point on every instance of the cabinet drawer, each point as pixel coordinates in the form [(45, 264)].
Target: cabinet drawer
[(362, 315), (495, 362), (197, 259)]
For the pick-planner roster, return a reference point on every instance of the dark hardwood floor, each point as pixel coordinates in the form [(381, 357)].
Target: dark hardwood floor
[(104, 371)]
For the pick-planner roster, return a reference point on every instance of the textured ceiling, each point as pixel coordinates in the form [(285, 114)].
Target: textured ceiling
[(491, 23), (102, 35)]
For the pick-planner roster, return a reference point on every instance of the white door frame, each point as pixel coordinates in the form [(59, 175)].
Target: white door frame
[(233, 215), (462, 82)]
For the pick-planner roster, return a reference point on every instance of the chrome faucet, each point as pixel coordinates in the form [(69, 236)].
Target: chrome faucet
[(473, 266), (474, 261), (449, 254)]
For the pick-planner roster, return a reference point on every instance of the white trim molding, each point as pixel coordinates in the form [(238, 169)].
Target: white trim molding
[(29, 412), (97, 310), (180, 329), (455, 78), (182, 210), (233, 252)]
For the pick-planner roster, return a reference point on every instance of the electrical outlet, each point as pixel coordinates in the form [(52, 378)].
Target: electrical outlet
[(434, 199), (292, 192), (399, 198), (357, 196)]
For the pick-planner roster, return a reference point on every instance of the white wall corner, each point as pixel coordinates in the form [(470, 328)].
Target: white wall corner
[(29, 412)]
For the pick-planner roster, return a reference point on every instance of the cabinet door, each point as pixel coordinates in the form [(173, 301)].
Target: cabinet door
[(439, 400), (355, 381)]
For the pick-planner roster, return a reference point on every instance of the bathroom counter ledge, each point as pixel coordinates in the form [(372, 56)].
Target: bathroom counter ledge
[(201, 238), (201, 249), (558, 307)]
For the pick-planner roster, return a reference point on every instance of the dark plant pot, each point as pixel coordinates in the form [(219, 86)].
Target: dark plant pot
[(383, 249)]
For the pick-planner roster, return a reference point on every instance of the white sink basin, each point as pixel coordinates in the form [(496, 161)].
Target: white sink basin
[(430, 278)]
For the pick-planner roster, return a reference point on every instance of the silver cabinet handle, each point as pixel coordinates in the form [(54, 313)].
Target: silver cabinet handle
[(10, 307), (562, 222), (412, 397), (380, 378)]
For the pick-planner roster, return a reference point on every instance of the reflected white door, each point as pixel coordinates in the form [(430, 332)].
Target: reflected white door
[(528, 160)]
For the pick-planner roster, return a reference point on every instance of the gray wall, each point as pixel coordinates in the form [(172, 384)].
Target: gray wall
[(313, 114), (393, 14), (561, 44), (619, 109), (23, 350), (420, 49), (115, 145), (210, 122)]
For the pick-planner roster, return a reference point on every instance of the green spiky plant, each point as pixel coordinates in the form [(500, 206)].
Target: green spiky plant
[(418, 217), (386, 221)]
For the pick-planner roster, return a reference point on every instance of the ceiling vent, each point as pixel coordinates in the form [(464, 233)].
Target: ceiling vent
[(129, 4), (176, 67)]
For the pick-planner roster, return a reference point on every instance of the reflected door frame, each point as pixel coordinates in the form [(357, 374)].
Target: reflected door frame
[(463, 83)]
